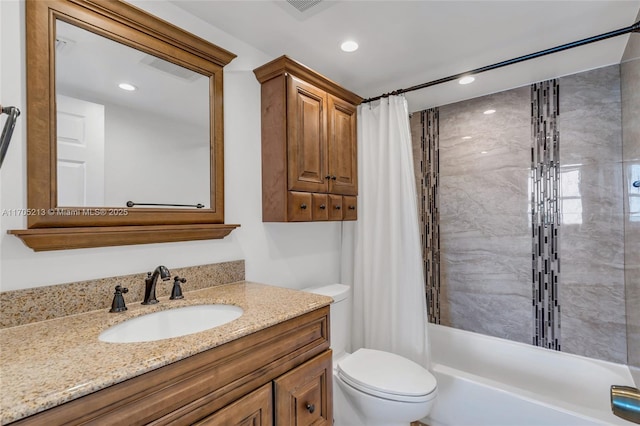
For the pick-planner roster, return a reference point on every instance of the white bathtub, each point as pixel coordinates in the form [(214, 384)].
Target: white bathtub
[(486, 381)]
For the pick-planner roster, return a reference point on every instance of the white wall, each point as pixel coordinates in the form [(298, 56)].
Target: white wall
[(152, 159), (292, 255)]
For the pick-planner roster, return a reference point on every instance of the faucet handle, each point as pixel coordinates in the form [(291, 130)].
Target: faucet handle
[(176, 292), (118, 305)]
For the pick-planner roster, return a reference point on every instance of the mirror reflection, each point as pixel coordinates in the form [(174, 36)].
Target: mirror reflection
[(130, 126)]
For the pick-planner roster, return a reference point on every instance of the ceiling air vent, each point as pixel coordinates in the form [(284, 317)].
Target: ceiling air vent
[(170, 68), (301, 10), (63, 44), (303, 5)]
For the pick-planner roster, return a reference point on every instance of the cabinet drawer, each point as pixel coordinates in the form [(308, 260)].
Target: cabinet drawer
[(320, 207), (299, 206), (350, 207), (335, 207), (253, 409), (304, 395)]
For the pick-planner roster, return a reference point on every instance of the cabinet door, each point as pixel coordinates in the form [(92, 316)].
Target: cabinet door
[(304, 395), (254, 409), (343, 156), (306, 136)]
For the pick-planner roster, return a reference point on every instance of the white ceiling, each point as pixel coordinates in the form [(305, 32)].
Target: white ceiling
[(90, 67), (404, 43)]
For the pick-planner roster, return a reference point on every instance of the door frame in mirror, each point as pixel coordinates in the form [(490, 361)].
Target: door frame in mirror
[(54, 228)]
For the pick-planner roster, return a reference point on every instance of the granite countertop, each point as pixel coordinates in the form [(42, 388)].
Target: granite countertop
[(47, 363)]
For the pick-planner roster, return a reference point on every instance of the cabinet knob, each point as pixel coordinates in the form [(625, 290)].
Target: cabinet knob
[(333, 178), (338, 207), (327, 177), (352, 207), (310, 408), (322, 206), (303, 206)]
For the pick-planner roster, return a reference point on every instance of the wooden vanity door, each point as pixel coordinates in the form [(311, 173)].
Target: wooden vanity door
[(254, 409), (304, 395)]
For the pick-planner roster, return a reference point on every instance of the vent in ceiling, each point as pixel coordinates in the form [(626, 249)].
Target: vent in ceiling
[(170, 68), (303, 5), (302, 10), (63, 44)]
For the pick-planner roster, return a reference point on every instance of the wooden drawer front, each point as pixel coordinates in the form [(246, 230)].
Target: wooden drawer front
[(320, 207), (255, 409), (299, 206), (304, 395), (350, 207), (335, 207)]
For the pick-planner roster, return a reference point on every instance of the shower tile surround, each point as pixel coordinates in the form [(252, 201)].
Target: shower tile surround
[(592, 232), (630, 94), (42, 303), (545, 213), (485, 187), (425, 156), (485, 242)]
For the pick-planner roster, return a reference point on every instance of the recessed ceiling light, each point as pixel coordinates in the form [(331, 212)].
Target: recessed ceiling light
[(349, 46), (483, 152), (466, 137), (466, 80), (128, 87), (489, 111)]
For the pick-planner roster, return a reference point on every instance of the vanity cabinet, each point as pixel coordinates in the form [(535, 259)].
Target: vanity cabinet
[(309, 146), (302, 398), (252, 380)]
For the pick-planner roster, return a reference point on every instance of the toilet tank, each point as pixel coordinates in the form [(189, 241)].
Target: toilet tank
[(340, 319)]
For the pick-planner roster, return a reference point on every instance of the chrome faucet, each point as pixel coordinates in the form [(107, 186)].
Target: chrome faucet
[(150, 284)]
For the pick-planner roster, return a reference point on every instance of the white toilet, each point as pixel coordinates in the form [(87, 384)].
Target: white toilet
[(371, 387)]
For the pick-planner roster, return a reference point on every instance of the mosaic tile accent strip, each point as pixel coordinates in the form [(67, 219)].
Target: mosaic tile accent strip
[(545, 213), (429, 210), (42, 303)]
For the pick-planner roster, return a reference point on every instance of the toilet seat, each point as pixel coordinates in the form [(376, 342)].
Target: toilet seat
[(387, 375)]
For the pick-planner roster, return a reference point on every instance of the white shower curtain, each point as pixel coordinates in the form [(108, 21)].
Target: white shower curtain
[(389, 306)]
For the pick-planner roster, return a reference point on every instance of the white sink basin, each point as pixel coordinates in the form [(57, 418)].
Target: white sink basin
[(174, 322)]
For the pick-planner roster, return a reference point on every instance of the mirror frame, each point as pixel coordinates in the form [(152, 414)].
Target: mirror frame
[(52, 227)]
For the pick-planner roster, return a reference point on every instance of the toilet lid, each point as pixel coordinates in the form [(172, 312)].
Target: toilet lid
[(387, 375)]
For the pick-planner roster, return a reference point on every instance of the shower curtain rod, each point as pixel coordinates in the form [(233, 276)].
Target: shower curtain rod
[(632, 28)]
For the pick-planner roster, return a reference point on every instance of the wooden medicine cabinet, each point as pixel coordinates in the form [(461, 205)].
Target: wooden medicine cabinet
[(309, 146)]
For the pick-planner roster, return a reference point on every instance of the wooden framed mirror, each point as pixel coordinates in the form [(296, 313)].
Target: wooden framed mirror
[(108, 167)]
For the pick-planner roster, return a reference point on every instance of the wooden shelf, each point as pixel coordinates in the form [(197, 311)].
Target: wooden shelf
[(42, 239)]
